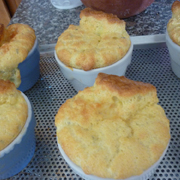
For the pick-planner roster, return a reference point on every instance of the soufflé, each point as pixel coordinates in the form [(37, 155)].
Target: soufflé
[(99, 40), (16, 41), (173, 25), (114, 129), (13, 113)]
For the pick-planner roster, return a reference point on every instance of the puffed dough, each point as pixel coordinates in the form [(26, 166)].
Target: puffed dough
[(13, 113), (173, 26), (16, 41), (114, 129), (99, 40)]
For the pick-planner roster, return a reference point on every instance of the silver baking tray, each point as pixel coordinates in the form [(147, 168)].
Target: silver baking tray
[(150, 63)]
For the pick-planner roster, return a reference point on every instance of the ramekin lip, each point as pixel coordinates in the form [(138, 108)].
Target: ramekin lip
[(97, 69), (81, 173), (33, 48), (18, 139)]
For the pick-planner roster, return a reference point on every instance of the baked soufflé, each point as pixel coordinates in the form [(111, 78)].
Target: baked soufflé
[(114, 129)]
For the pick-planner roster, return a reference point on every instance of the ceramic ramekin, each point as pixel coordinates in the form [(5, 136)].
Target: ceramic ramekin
[(174, 51), (144, 176), (30, 69), (80, 79), (18, 154)]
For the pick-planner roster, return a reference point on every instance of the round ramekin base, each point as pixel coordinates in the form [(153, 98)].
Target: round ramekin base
[(144, 176), (174, 51), (81, 79), (15, 157), (30, 69)]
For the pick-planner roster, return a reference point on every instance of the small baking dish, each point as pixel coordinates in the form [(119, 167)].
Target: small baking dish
[(20, 151)]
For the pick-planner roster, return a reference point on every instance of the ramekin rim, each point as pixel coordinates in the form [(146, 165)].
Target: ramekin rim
[(77, 168), (33, 48)]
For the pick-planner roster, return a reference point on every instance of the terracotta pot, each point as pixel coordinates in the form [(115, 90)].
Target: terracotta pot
[(121, 8)]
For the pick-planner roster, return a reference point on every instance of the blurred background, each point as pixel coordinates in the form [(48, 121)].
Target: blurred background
[(7, 10), (49, 22)]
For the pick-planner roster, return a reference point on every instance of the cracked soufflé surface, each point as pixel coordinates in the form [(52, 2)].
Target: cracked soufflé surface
[(13, 113), (173, 25), (99, 40), (114, 129), (16, 41)]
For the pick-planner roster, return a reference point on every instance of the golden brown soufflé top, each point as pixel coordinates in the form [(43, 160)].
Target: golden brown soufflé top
[(173, 26), (114, 129), (13, 113), (99, 40), (16, 41)]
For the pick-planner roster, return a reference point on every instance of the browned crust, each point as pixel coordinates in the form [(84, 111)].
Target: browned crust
[(99, 15), (19, 40), (114, 129), (100, 40), (173, 26), (123, 86), (14, 112), (6, 86), (175, 8), (16, 41)]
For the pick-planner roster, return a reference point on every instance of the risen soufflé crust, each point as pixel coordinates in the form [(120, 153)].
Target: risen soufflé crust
[(99, 40), (16, 41), (173, 26), (114, 129), (13, 113)]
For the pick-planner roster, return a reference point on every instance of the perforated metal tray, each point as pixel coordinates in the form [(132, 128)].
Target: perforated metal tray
[(150, 65)]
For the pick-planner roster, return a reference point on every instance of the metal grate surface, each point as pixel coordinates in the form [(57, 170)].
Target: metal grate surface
[(52, 90)]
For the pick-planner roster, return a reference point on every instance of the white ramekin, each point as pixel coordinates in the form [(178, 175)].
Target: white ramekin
[(20, 151), (174, 51), (80, 79), (30, 69), (144, 176)]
